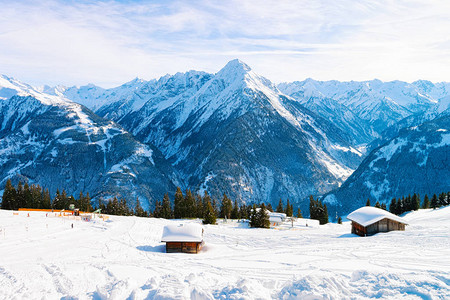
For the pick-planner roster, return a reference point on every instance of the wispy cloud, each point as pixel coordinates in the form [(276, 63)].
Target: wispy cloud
[(109, 42)]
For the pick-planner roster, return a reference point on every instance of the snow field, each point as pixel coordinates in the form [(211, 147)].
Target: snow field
[(42, 257)]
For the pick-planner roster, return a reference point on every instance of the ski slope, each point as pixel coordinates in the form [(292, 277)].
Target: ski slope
[(123, 258)]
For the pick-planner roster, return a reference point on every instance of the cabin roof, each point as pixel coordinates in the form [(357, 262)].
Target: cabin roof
[(368, 215), (189, 232), (277, 219)]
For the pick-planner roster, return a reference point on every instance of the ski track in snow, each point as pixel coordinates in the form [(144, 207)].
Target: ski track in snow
[(42, 257)]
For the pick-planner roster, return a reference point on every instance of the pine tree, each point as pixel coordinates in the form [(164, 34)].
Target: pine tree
[(269, 207), (167, 212), (262, 217), (209, 216), (383, 206), (299, 213), (243, 212), (46, 199), (178, 209), (415, 201), (226, 207), (378, 205), (339, 220), (235, 211), (190, 204), (253, 218), (393, 206), (426, 202), (441, 200), (289, 209), (324, 218), (9, 196), (368, 202), (199, 206), (138, 210), (27, 197), (157, 213), (20, 199), (312, 208), (280, 206), (434, 202)]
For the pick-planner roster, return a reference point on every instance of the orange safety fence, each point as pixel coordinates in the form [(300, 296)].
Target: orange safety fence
[(50, 210)]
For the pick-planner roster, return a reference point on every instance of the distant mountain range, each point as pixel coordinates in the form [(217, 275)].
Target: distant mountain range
[(231, 132)]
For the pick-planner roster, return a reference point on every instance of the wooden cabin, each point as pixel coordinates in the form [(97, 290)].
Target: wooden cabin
[(187, 238), (369, 220)]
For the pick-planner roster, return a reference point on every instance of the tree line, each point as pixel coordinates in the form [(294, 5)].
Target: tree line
[(34, 196), (409, 203), (185, 205)]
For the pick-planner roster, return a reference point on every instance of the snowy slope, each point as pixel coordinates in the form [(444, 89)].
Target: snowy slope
[(124, 258), (417, 160)]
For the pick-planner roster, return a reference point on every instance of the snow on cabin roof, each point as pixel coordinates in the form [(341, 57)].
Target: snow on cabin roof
[(276, 219), (277, 214), (368, 215), (182, 233)]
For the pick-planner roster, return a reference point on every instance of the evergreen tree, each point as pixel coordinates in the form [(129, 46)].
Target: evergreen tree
[(383, 206), (157, 213), (27, 197), (88, 205), (20, 199), (243, 212), (46, 199), (209, 216), (378, 205), (56, 203), (235, 211), (178, 209), (339, 220), (324, 218), (299, 213), (262, 217), (426, 202), (434, 202), (138, 210), (214, 205), (9, 196), (442, 201), (253, 218), (226, 207), (416, 201), (269, 207), (190, 204), (368, 202), (289, 209), (280, 206), (393, 206), (199, 207), (167, 212), (64, 200)]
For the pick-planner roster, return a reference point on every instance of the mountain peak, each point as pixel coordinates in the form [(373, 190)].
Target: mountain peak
[(234, 68)]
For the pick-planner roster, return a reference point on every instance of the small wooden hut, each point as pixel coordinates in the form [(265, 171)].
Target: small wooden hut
[(369, 220), (187, 238)]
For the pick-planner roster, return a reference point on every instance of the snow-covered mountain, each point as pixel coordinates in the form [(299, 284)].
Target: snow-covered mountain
[(417, 160), (366, 109), (234, 132), (57, 143)]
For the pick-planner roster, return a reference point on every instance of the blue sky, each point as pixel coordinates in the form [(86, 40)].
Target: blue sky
[(110, 42)]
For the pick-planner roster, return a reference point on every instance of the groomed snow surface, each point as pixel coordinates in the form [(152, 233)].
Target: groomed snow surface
[(123, 258)]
